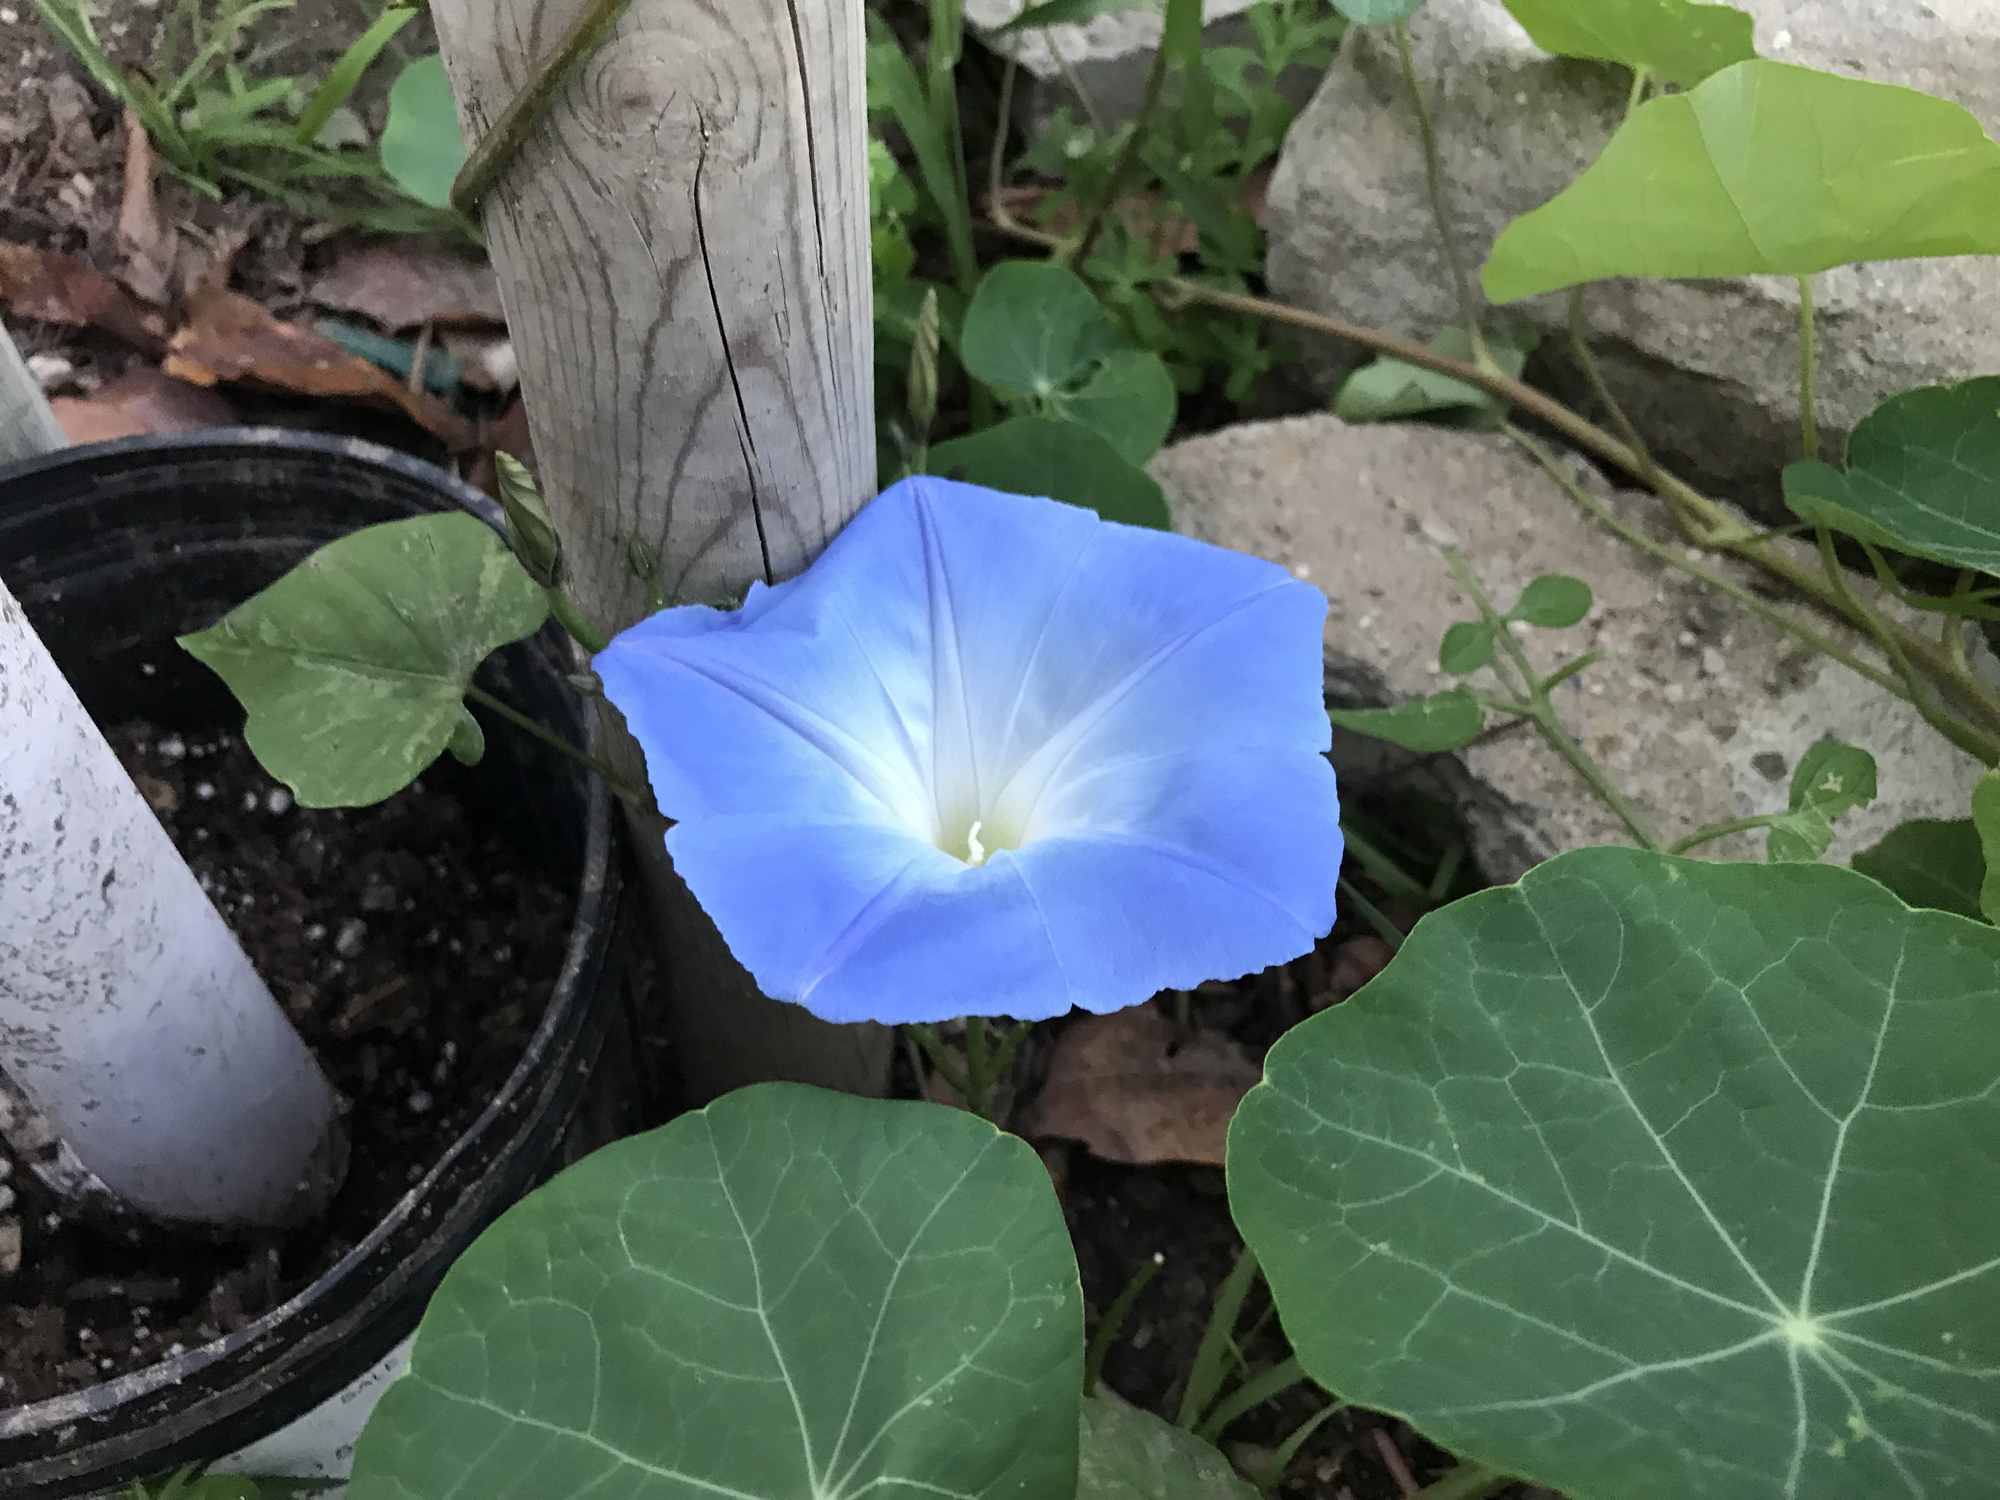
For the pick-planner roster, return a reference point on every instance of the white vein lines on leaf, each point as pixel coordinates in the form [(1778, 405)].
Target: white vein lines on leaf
[(1801, 1425), (1928, 1361), (1612, 1074), (1827, 1357), (590, 1440), (1636, 1372), (1605, 1247), (1914, 1292), (875, 1332), (1840, 1134), (763, 1315), (1855, 1408)]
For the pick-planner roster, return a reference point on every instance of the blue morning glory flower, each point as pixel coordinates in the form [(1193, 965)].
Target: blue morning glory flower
[(991, 755)]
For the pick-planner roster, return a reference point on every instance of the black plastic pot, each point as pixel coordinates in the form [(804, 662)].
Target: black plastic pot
[(114, 549)]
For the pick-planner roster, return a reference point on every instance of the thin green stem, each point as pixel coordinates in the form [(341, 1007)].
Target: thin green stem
[(1716, 831), (499, 145), (1113, 1323), (1127, 160), (1711, 525), (1669, 557), (571, 617), (1967, 737), (1542, 712), (1382, 867), (1570, 669), (636, 796), (1642, 79), (1434, 179), (1264, 1386), (1372, 914), (1579, 345), (1808, 371), (941, 1058)]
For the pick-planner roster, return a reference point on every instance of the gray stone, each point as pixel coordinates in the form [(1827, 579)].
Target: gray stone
[(1105, 59), (1698, 711), (1708, 370)]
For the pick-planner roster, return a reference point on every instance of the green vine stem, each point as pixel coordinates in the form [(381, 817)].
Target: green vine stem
[(1716, 831), (1434, 181), (572, 619), (1540, 710), (1128, 159), (1580, 351), (498, 147), (1808, 371), (1680, 563), (636, 796)]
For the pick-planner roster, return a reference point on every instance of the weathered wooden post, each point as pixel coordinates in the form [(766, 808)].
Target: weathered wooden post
[(682, 243)]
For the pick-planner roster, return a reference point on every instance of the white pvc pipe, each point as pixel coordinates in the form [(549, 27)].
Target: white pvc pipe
[(128, 1014)]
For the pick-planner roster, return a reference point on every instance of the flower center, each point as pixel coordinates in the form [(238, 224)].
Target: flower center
[(975, 841)]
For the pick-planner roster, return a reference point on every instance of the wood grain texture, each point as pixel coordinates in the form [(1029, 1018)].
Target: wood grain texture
[(682, 246)]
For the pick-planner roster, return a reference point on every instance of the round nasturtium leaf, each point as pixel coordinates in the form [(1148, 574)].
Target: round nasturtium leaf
[(353, 667), (790, 1295), (1058, 461), (1930, 862), (1764, 168), (1130, 1454), (1922, 476), (1652, 1177)]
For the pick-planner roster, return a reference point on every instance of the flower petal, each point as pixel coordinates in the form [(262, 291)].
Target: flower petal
[(861, 923), (1161, 874)]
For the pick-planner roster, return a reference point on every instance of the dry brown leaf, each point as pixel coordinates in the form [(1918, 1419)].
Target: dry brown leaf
[(141, 402), (401, 284), (150, 246), (59, 288), (229, 337), (1135, 1088)]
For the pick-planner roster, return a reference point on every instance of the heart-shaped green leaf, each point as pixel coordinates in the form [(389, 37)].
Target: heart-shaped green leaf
[(353, 666), (790, 1295), (422, 149), (1652, 1177), (1554, 601), (1130, 1454), (1930, 862), (1682, 42), (1769, 168), (1831, 779), (1444, 721), (1042, 456), (1387, 389), (1922, 476), (1038, 336)]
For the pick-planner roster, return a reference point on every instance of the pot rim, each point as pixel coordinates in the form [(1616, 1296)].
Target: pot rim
[(592, 916)]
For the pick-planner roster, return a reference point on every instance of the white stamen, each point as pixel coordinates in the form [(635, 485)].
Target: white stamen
[(975, 852)]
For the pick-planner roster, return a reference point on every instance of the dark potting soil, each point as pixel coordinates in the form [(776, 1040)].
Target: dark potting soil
[(414, 946)]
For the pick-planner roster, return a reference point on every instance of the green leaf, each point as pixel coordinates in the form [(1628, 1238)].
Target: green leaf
[(1467, 646), (1388, 390), (894, 88), (1986, 819), (790, 1294), (422, 149), (1682, 42), (1923, 476), (1059, 460), (1554, 601), (353, 666), (1377, 12), (1130, 1454), (1653, 1177), (1062, 13), (1037, 334), (1765, 168), (1929, 862), (1180, 36), (1444, 721), (345, 75), (1831, 779)]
